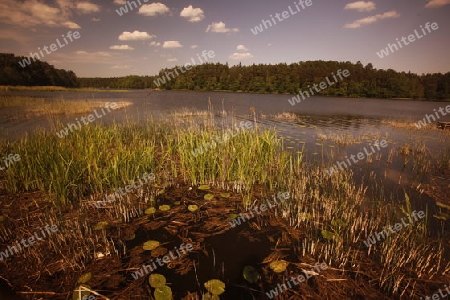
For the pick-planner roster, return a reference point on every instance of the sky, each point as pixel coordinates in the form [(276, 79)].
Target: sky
[(155, 35)]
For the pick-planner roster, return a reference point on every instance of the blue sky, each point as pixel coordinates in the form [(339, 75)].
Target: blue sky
[(163, 34)]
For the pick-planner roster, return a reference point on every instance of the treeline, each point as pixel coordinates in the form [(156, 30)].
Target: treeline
[(364, 81), (37, 73)]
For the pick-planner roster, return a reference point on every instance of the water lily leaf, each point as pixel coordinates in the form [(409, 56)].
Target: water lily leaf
[(157, 280), (328, 235), (251, 274), (177, 202), (209, 296), (164, 207), (81, 294), (150, 211), (225, 195), (215, 286), (150, 245), (163, 293), (85, 277), (204, 187), (338, 223), (101, 225), (278, 266), (208, 197), (233, 216), (192, 207)]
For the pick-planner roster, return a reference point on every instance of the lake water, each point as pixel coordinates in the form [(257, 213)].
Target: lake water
[(362, 120)]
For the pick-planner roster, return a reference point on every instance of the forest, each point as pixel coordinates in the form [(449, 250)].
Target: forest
[(38, 73), (364, 81)]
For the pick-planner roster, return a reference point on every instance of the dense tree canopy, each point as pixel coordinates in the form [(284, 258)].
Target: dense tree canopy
[(364, 81), (36, 73)]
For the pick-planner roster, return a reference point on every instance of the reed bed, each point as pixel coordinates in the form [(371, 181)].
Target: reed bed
[(334, 213)]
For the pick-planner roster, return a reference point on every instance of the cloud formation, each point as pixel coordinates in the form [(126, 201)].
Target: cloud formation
[(220, 27), (372, 19), (192, 14), (172, 44), (31, 13), (135, 36), (437, 3), (240, 56), (361, 6), (241, 48), (121, 47), (153, 9)]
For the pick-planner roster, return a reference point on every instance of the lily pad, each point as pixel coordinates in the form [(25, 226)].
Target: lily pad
[(157, 280), (233, 216), (163, 293), (204, 187), (225, 195), (251, 274), (85, 277), (150, 245), (177, 202), (338, 223), (209, 296), (208, 197), (150, 211), (192, 207), (81, 294), (101, 225), (278, 266), (328, 235), (164, 207), (215, 286)]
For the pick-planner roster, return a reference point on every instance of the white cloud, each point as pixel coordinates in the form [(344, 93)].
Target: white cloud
[(361, 6), (153, 9), (240, 56), (172, 44), (241, 48), (93, 54), (95, 19), (172, 59), (120, 2), (31, 13), (135, 36), (86, 7), (194, 46), (121, 67), (156, 44), (220, 27), (437, 3), (71, 25), (192, 14), (121, 47), (372, 19)]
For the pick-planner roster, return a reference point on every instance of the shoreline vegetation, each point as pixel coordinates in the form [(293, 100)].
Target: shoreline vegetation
[(192, 201), (364, 81)]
